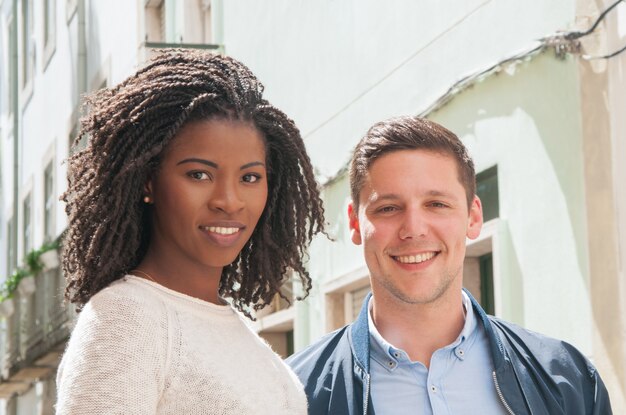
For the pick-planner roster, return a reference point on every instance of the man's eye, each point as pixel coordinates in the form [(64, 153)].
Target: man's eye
[(387, 209), (438, 205)]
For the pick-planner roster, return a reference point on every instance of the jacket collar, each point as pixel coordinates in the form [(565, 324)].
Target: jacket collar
[(360, 336)]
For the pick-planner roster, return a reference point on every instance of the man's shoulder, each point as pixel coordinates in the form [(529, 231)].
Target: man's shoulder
[(548, 351), (578, 387)]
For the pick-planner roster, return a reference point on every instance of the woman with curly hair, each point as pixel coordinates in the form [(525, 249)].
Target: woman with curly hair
[(192, 189)]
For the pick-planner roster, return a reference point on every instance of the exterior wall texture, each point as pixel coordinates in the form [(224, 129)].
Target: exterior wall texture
[(551, 124)]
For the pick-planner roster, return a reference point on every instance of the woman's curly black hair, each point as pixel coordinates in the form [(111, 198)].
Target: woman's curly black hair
[(129, 126)]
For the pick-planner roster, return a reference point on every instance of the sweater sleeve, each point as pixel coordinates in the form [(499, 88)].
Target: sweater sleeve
[(116, 357)]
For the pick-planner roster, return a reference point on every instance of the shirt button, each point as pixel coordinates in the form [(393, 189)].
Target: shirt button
[(433, 388), (396, 354), (391, 364)]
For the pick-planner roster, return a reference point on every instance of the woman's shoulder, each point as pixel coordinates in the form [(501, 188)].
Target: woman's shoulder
[(125, 299)]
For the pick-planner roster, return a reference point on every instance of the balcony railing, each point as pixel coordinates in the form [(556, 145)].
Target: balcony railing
[(278, 303), (150, 49), (36, 333)]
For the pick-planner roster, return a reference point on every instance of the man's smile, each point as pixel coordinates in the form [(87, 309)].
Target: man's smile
[(416, 258)]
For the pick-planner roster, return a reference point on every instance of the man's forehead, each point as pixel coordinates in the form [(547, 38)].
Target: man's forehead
[(393, 176), (374, 195)]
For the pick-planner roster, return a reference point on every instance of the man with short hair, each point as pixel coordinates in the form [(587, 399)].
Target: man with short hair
[(422, 344)]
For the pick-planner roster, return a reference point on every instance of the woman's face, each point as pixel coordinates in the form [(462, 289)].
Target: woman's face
[(209, 193)]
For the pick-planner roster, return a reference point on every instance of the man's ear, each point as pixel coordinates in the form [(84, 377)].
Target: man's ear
[(475, 223), (355, 230)]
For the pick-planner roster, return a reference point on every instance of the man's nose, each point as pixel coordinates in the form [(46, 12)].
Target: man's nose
[(414, 224)]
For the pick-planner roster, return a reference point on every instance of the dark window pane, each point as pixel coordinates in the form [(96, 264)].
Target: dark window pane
[(487, 191), (486, 283)]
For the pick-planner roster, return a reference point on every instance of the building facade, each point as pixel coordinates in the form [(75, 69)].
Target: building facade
[(539, 114)]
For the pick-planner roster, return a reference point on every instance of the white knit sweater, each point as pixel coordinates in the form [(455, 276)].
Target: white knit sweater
[(140, 348)]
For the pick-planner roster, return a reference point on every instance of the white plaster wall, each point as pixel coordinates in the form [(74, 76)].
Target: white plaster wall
[(49, 115), (113, 37), (45, 116), (6, 128), (338, 66), (47, 120)]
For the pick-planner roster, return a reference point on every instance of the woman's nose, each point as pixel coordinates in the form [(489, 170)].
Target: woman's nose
[(226, 197)]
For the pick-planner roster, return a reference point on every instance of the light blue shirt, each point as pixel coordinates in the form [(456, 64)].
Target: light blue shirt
[(459, 380)]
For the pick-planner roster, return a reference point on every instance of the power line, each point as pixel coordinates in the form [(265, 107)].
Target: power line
[(574, 36), (578, 35)]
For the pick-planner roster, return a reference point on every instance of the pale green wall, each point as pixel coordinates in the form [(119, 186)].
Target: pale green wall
[(526, 120), (328, 259)]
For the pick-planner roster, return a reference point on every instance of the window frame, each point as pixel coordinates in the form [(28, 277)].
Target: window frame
[(49, 31), (27, 46), (49, 201)]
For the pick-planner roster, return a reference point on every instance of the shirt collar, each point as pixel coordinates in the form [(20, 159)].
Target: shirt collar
[(389, 355)]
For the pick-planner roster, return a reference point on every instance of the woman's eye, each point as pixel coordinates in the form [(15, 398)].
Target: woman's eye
[(199, 175), (251, 178)]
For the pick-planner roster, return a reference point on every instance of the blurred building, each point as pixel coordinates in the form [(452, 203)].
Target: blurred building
[(540, 116)]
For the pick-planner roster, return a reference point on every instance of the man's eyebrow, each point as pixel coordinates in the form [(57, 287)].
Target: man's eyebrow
[(385, 196), (440, 193), (201, 161), (395, 196)]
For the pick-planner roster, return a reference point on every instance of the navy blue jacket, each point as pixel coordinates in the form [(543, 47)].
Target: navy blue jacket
[(533, 374)]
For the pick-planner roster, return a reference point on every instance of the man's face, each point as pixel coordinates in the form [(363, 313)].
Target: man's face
[(412, 220)]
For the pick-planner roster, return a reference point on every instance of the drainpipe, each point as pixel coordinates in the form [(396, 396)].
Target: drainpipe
[(82, 53), (217, 24), (16, 131)]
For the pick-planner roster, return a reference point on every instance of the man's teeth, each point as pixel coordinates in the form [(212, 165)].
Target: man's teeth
[(221, 230), (415, 259)]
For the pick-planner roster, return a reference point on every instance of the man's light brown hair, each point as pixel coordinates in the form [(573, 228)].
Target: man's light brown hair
[(409, 133)]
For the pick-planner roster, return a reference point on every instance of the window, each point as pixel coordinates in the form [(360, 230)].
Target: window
[(28, 44), (49, 203), (487, 191), (27, 225), (479, 268), (207, 36), (11, 254), (76, 144), (486, 282), (155, 20), (12, 74), (71, 6), (49, 30), (290, 342), (197, 28), (344, 295), (356, 302)]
